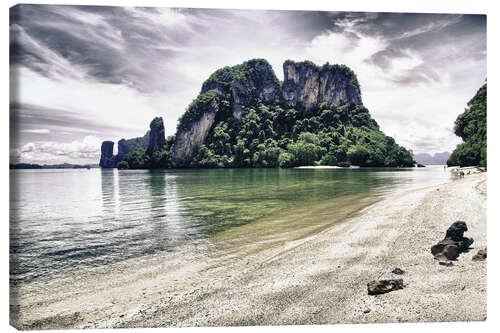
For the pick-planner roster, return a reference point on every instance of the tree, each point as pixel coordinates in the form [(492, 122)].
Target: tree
[(471, 127), (287, 160), (138, 159), (303, 153), (328, 159), (122, 165), (358, 155)]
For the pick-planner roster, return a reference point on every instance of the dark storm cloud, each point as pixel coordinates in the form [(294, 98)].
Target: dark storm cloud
[(122, 45), (425, 35), (116, 45), (37, 123), (413, 31), (384, 58), (305, 25)]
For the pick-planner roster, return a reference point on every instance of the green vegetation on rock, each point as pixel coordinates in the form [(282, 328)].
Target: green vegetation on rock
[(148, 159), (241, 119), (471, 127), (269, 135), (211, 98)]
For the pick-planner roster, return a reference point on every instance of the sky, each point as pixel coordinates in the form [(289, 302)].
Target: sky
[(84, 74)]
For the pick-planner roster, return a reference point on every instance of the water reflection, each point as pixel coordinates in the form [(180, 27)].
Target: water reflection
[(66, 220), (158, 199), (108, 191)]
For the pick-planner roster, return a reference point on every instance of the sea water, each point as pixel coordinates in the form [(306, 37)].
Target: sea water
[(66, 221)]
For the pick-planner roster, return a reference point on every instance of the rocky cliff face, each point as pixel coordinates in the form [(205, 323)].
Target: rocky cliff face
[(133, 144), (125, 146), (188, 139), (245, 83), (156, 135), (306, 85), (259, 82), (242, 85), (107, 160), (123, 149)]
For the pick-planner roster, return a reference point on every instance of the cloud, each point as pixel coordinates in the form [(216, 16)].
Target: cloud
[(384, 58), (34, 54), (118, 45), (37, 131), (47, 152), (107, 71), (26, 121)]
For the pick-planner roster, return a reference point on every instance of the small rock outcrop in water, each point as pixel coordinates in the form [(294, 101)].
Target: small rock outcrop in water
[(480, 255), (107, 160), (384, 286), (125, 146), (453, 243), (156, 135)]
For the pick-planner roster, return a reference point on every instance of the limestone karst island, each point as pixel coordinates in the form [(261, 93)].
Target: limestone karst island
[(244, 117)]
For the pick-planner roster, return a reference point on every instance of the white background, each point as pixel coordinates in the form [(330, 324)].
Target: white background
[(421, 6)]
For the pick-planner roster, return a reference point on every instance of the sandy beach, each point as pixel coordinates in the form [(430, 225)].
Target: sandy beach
[(317, 280)]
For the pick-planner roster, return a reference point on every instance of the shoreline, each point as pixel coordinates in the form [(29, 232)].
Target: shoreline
[(292, 288), (321, 279)]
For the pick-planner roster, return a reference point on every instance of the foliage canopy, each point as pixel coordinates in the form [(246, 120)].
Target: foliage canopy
[(471, 127)]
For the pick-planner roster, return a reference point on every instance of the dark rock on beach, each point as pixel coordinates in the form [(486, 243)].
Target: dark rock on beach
[(446, 263), (453, 243), (480, 255), (384, 286), (398, 271)]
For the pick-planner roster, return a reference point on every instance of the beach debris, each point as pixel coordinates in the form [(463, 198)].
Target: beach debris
[(367, 310), (378, 287), (446, 263), (453, 243), (480, 255), (398, 271)]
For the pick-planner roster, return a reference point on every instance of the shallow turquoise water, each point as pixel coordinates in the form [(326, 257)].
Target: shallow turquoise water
[(67, 220)]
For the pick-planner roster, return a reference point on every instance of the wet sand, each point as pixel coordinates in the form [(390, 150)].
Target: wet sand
[(320, 279)]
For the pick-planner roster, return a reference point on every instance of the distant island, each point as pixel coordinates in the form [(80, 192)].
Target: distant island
[(429, 159), (245, 117), (52, 166)]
